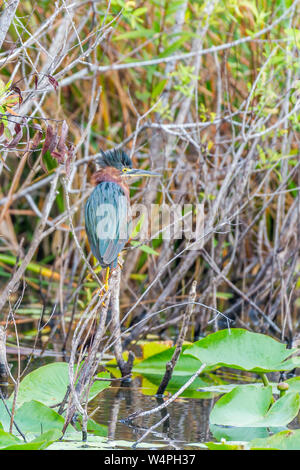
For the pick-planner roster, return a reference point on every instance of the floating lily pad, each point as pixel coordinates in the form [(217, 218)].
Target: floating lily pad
[(156, 364), (32, 417), (35, 417), (226, 445), (293, 383), (284, 440), (48, 384), (252, 407), (231, 433), (10, 442), (98, 443), (92, 427), (151, 383), (7, 439), (241, 349)]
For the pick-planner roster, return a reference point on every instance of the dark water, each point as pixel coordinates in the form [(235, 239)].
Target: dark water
[(188, 420), (187, 423)]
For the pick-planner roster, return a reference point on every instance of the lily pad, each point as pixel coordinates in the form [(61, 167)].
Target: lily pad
[(284, 440), (226, 445), (35, 417), (241, 349), (231, 433), (48, 384), (40, 443), (156, 364), (7, 439), (92, 427), (252, 407), (151, 383)]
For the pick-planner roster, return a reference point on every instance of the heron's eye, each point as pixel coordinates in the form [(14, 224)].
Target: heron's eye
[(124, 170)]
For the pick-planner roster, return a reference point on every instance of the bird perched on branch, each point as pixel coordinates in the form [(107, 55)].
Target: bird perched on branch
[(107, 210)]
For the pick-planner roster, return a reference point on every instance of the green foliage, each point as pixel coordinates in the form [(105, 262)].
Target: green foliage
[(35, 417), (284, 440), (44, 440), (156, 364), (48, 384), (184, 76), (41, 389), (241, 349), (252, 407)]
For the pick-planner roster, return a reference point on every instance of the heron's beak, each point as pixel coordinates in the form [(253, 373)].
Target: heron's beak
[(139, 172)]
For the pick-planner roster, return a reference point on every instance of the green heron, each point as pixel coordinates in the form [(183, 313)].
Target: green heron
[(107, 210)]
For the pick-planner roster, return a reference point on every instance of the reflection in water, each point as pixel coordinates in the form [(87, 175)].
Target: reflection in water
[(183, 422)]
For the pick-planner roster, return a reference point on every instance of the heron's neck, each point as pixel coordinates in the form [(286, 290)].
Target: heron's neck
[(109, 174)]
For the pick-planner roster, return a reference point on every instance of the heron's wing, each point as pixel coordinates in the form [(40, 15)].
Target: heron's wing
[(107, 222)]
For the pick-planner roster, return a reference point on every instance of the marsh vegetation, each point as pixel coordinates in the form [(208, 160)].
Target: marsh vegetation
[(207, 94)]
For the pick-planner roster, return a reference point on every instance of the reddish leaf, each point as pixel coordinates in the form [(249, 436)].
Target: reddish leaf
[(18, 91), (36, 139), (58, 156), (61, 146), (17, 138), (50, 140), (1, 128), (35, 77), (53, 81)]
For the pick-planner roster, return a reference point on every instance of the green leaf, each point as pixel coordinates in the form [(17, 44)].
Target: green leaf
[(225, 388), (48, 384), (231, 433), (37, 418), (137, 34), (294, 384), (138, 277), (252, 407), (95, 428), (153, 381), (74, 442), (40, 443), (240, 445), (157, 90), (156, 364), (147, 249), (138, 227), (8, 439), (241, 349), (284, 440)]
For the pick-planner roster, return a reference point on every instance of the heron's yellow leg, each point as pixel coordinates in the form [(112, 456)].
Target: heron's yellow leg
[(106, 278)]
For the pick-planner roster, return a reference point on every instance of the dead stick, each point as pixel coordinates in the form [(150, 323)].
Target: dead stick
[(138, 414), (184, 327), (125, 367), (3, 363)]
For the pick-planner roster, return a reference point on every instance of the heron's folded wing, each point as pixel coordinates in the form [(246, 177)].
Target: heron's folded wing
[(107, 219)]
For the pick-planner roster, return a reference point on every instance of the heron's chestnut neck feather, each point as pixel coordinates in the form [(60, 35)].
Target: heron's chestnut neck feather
[(109, 174)]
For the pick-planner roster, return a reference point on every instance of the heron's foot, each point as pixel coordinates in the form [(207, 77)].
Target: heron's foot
[(120, 262), (99, 291)]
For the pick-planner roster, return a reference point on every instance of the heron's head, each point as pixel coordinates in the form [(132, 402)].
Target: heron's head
[(120, 160)]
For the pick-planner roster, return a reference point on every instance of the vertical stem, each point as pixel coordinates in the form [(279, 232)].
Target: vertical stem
[(3, 363), (186, 320), (264, 379), (125, 367)]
